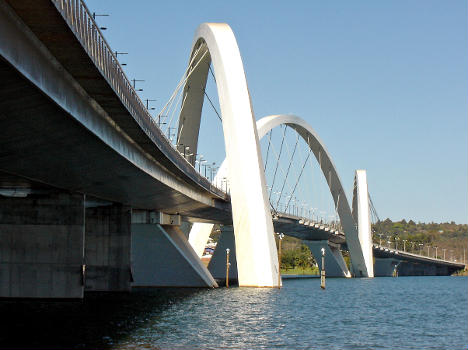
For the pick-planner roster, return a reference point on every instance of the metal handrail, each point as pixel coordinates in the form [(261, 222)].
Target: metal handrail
[(81, 22)]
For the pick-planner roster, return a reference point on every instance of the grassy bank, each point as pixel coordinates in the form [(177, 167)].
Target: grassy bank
[(301, 271)]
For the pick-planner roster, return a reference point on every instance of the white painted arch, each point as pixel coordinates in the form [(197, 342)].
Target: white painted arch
[(253, 227), (361, 256)]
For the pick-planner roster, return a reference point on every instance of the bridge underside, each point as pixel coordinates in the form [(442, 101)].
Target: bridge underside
[(54, 134), (70, 175), (389, 262)]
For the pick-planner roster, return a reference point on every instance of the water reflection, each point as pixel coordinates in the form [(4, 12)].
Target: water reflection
[(380, 313), (99, 321)]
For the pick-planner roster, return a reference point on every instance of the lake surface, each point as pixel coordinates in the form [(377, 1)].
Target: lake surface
[(379, 313)]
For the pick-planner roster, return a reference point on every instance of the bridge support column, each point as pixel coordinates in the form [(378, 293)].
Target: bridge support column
[(217, 265), (162, 256), (407, 268), (107, 248), (385, 267), (199, 235), (335, 266), (42, 246), (360, 249)]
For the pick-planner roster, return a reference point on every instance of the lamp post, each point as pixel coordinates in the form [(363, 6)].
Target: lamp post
[(186, 149), (322, 273), (225, 183), (134, 84), (420, 248), (396, 243), (148, 100), (404, 245), (117, 56), (227, 267), (444, 252), (200, 163), (435, 252), (170, 134), (100, 15), (159, 120), (280, 239)]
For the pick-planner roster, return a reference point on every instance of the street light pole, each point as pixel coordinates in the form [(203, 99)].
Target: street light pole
[(322, 273), (404, 245), (134, 84), (280, 239), (117, 56), (227, 267)]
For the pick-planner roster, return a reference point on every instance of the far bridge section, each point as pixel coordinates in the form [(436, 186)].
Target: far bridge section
[(316, 235), (392, 262)]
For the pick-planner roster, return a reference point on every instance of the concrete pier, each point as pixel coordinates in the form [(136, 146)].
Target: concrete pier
[(42, 246), (385, 267), (107, 248), (163, 257), (335, 266), (217, 265)]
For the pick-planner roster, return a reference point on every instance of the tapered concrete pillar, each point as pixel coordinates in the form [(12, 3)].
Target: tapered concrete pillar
[(42, 246), (335, 266), (385, 267), (162, 256), (107, 248), (199, 235), (361, 214), (217, 265)]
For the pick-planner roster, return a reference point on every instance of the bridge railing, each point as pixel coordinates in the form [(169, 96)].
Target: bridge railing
[(412, 253), (82, 23)]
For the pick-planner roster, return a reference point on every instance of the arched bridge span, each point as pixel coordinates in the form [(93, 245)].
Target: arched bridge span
[(361, 259)]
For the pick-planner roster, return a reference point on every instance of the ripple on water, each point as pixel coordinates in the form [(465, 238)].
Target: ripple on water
[(381, 313)]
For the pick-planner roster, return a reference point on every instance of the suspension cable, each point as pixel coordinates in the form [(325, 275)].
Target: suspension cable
[(212, 105), (373, 210), (280, 167), (278, 159), (302, 170), (169, 105), (183, 79), (268, 149), (212, 74), (287, 172)]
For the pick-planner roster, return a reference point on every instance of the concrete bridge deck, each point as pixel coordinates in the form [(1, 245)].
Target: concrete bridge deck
[(390, 261), (306, 230), (66, 124)]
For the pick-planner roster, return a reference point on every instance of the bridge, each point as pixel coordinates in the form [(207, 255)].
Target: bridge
[(95, 196), (394, 262)]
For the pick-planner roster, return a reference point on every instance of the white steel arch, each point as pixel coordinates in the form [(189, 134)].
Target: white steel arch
[(253, 228), (358, 240)]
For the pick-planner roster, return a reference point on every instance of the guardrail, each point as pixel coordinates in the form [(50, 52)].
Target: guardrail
[(81, 22), (416, 255)]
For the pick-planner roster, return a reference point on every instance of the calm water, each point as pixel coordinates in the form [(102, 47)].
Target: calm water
[(379, 313)]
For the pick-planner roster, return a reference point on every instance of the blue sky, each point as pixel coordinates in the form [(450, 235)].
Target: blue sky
[(385, 84)]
